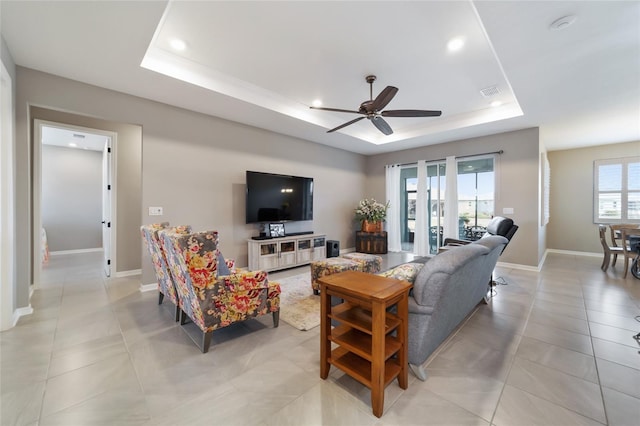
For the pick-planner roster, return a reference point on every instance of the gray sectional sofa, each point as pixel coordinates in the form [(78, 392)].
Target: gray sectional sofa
[(445, 290)]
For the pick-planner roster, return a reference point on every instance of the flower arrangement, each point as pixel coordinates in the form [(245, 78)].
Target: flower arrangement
[(371, 210)]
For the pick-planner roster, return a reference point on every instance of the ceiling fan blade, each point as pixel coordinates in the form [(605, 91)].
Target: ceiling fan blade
[(348, 123), (411, 113), (336, 110), (384, 98), (382, 125)]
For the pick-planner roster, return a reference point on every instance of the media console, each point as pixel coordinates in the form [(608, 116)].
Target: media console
[(286, 252), (293, 234)]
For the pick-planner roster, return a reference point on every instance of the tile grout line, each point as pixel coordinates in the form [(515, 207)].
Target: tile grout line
[(126, 346), (545, 399), (104, 288), (506, 377), (604, 406), (55, 332), (591, 337)]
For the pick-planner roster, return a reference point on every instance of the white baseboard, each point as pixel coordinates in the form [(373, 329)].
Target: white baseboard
[(348, 250), (20, 312), (544, 258), (148, 287), (130, 273), (519, 266), (575, 253), (61, 252)]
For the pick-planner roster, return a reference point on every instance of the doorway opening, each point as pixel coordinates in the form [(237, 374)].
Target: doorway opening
[(73, 193)]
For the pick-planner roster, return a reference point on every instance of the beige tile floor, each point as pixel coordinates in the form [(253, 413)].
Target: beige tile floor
[(552, 348)]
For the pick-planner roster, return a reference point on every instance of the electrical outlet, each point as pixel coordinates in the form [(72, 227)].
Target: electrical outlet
[(507, 210), (155, 211)]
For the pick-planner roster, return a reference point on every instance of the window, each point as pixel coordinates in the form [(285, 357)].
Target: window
[(476, 189), (616, 185)]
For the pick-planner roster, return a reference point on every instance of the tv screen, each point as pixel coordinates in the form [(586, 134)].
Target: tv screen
[(274, 198)]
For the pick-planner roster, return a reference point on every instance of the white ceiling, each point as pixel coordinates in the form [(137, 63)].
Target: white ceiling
[(73, 138), (263, 63)]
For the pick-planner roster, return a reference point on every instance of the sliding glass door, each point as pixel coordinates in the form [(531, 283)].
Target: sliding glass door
[(476, 195), (476, 199), (408, 191), (435, 194)]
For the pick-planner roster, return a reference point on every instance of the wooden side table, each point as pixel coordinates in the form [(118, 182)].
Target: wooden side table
[(371, 242), (368, 349)]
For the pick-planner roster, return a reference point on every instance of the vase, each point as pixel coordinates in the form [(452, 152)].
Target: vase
[(368, 226)]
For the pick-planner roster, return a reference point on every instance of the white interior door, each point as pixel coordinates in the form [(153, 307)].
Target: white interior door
[(106, 206)]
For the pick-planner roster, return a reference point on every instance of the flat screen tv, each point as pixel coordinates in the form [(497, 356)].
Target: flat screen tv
[(274, 198)]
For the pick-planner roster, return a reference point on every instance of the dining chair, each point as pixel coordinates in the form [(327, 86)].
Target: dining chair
[(608, 250), (626, 250), (615, 232)]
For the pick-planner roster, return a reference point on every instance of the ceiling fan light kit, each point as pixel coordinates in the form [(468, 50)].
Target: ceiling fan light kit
[(372, 109)]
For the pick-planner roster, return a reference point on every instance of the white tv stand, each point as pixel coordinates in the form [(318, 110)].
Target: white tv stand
[(286, 252)]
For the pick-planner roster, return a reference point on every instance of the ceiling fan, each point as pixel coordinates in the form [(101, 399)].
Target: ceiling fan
[(371, 109)]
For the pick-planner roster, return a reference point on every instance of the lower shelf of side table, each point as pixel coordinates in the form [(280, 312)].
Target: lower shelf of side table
[(360, 369), (360, 343)]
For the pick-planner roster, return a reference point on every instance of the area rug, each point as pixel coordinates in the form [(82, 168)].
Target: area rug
[(298, 305)]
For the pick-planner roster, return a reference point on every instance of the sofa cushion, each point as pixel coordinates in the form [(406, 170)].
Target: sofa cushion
[(406, 271)]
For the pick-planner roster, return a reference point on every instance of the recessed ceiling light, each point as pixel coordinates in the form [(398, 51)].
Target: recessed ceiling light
[(317, 103), (562, 23), (178, 44), (455, 44), (496, 104), (72, 145)]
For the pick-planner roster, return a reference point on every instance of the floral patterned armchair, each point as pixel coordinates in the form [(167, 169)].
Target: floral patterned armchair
[(210, 293), (166, 285)]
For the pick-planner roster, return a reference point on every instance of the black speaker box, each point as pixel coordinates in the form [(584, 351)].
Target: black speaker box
[(333, 248)]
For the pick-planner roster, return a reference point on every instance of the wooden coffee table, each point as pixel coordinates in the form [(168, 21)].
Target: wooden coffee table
[(372, 343)]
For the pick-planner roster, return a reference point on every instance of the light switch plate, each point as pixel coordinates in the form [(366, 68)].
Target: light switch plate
[(507, 210), (155, 211)]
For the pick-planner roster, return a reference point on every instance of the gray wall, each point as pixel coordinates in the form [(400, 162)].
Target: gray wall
[(128, 182), (72, 198), (46, 97), (517, 185), (571, 225), (192, 165)]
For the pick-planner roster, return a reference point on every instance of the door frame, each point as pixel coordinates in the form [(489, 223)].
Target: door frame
[(37, 192), (7, 202), (107, 216)]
